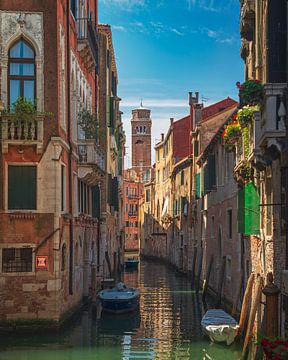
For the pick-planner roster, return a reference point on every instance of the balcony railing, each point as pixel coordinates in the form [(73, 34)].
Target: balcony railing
[(90, 154), (132, 213), (22, 132), (87, 39), (133, 197)]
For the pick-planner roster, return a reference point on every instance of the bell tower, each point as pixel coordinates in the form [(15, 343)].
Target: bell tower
[(141, 124)]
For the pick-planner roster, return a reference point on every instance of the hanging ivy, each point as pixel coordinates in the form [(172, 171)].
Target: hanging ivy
[(246, 142)]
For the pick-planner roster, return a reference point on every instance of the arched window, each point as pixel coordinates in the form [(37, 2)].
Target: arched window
[(22, 72), (137, 129), (140, 129), (144, 129), (63, 258)]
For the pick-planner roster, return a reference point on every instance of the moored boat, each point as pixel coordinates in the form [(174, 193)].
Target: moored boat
[(220, 326), (120, 299), (132, 263)]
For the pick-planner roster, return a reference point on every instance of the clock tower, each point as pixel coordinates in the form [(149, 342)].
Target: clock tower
[(141, 140)]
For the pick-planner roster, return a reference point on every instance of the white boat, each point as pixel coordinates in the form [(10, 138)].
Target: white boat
[(220, 326)]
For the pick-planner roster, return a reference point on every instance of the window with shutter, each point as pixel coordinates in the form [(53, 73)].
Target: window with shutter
[(22, 187), (248, 210), (197, 186), (115, 194), (110, 190), (96, 202)]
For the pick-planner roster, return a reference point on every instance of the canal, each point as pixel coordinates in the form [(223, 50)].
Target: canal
[(167, 326)]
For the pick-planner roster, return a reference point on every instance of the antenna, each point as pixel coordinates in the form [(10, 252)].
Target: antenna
[(204, 99)]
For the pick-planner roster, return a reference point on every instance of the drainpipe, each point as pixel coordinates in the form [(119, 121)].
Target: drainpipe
[(71, 245)]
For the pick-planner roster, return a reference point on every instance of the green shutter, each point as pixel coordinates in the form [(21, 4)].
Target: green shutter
[(197, 186), (96, 202), (196, 148), (249, 210), (22, 187)]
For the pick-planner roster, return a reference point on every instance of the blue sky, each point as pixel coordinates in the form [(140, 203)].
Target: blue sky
[(166, 48)]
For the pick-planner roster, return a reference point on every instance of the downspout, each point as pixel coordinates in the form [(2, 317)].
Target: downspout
[(71, 245)]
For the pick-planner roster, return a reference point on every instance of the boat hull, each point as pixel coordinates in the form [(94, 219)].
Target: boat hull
[(220, 326), (120, 306), (132, 264)]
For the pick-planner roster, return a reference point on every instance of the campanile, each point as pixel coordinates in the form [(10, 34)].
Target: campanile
[(141, 139)]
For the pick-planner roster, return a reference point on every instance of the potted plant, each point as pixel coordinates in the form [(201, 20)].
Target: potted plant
[(275, 349), (245, 115), (89, 124), (250, 92), (231, 134)]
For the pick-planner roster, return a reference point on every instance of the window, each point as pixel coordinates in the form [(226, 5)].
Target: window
[(63, 187), (21, 72), (84, 198), (229, 224), (17, 260), (63, 258), (228, 267), (21, 187), (147, 195), (73, 7), (182, 177)]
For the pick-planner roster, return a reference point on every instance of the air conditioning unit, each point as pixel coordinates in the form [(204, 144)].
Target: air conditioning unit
[(285, 282)]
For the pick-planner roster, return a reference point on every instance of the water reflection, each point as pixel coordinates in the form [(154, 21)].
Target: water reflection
[(167, 326)]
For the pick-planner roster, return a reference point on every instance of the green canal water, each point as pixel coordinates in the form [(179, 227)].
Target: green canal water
[(167, 326)]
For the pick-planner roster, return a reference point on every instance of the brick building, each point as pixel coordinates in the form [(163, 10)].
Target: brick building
[(53, 163)]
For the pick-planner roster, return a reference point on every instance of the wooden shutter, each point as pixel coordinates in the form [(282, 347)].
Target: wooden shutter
[(21, 187), (110, 190), (96, 202), (196, 148), (252, 210), (115, 194), (111, 112)]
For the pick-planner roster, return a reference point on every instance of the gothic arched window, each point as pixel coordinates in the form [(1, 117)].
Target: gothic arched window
[(21, 72)]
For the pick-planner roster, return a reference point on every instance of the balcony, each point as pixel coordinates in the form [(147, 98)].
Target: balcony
[(22, 132), (132, 213), (133, 197), (87, 42), (270, 127), (91, 166), (247, 19)]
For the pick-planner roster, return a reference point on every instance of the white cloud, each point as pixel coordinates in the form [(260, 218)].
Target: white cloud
[(127, 4), (177, 32), (211, 5), (219, 36), (118, 28)]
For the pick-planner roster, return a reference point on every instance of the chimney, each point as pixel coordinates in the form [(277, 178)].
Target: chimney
[(190, 98), (171, 121), (162, 137)]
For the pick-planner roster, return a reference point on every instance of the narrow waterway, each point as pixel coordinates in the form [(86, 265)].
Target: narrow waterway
[(167, 326)]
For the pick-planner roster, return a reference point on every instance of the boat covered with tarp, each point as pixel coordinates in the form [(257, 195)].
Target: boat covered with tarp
[(119, 299), (220, 326)]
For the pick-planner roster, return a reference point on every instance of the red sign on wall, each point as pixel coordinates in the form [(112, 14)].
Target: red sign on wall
[(42, 262)]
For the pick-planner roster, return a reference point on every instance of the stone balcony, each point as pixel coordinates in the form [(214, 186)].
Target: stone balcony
[(87, 42), (270, 127), (18, 132), (91, 166)]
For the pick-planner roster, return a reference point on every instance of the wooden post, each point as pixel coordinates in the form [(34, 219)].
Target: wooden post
[(193, 266), (108, 263), (221, 281), (255, 302), (245, 303), (271, 292), (199, 270), (237, 296), (207, 278)]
